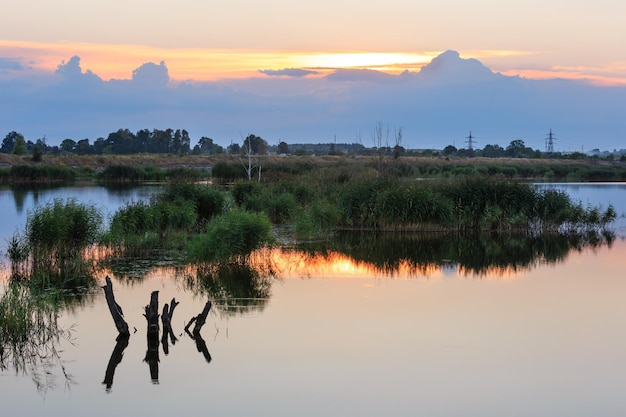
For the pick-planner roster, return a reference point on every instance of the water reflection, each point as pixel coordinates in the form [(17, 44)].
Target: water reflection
[(246, 286), (30, 336), (195, 335), (38, 192), (200, 345), (235, 287), (116, 358), (428, 254)]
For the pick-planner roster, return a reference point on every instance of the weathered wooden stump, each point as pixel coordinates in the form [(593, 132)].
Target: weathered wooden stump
[(166, 320), (200, 319), (152, 314), (198, 322), (115, 309), (152, 354)]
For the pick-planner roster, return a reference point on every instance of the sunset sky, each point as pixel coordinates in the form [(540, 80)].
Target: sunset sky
[(206, 40), (277, 68)]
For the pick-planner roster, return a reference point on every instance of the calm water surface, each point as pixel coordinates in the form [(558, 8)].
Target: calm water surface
[(337, 337)]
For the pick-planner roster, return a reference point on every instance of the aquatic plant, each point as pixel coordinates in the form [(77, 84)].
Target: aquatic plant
[(30, 334), (230, 236), (118, 173), (50, 252), (315, 220), (125, 173), (470, 204), (164, 223), (37, 174), (207, 201)]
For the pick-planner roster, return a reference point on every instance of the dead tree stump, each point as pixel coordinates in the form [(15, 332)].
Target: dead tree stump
[(152, 314), (200, 319), (166, 319), (115, 309), (152, 354), (198, 322)]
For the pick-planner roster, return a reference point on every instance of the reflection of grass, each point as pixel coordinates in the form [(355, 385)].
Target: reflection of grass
[(30, 334), (234, 287), (474, 254)]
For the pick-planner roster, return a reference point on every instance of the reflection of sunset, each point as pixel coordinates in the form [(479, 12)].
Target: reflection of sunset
[(298, 264), (292, 263)]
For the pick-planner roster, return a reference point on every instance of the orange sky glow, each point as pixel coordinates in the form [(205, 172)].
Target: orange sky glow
[(111, 61)]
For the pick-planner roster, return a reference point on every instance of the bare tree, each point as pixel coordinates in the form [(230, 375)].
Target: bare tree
[(249, 165), (380, 137), (398, 146)]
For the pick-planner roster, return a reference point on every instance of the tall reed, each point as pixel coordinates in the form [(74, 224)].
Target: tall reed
[(50, 252), (30, 334), (230, 236)]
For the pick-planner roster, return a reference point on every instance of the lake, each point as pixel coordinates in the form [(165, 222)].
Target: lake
[(418, 331)]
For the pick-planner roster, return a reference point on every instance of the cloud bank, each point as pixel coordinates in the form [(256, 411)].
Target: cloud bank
[(435, 107)]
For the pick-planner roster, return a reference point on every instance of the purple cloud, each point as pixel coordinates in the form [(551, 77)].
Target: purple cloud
[(288, 72)]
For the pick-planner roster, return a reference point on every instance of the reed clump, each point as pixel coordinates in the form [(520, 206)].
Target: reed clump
[(470, 204), (166, 222), (50, 253), (131, 174), (19, 174), (30, 334), (230, 237)]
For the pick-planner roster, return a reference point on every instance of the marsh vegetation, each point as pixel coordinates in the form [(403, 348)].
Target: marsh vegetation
[(225, 221)]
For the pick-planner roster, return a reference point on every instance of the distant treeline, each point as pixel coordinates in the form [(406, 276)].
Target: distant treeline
[(178, 142)]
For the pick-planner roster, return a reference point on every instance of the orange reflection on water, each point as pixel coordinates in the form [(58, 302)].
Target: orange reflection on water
[(291, 263)]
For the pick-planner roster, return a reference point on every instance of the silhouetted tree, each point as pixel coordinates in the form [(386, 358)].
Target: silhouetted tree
[(83, 147), (68, 145), (283, 148), (493, 151), (449, 150), (19, 148), (234, 149), (9, 142), (517, 149), (257, 145), (37, 155)]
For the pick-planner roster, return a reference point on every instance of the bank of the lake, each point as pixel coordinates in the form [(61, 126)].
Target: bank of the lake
[(272, 166)]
